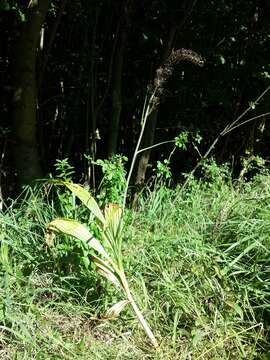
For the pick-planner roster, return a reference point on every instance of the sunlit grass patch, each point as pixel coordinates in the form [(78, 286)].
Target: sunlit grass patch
[(197, 262)]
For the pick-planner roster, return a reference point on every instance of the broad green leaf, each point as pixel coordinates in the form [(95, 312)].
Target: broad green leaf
[(96, 245), (70, 227), (115, 310), (85, 197), (103, 263), (79, 231)]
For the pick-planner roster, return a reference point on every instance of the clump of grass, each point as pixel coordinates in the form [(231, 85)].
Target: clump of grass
[(199, 259)]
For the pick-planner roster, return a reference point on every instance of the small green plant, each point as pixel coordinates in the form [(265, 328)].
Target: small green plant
[(64, 170), (181, 140), (108, 256), (163, 169), (251, 164), (113, 182), (215, 175)]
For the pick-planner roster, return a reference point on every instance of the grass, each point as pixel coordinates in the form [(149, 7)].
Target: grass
[(197, 261)]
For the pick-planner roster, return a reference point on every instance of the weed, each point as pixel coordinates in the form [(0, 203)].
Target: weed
[(113, 183)]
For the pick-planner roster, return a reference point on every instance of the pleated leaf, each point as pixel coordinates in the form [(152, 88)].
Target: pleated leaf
[(113, 218), (77, 230), (85, 197), (104, 269)]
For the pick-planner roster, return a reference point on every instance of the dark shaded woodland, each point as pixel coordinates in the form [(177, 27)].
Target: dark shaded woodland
[(74, 76)]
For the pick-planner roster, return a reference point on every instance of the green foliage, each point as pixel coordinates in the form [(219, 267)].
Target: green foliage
[(181, 140), (113, 182), (213, 174), (66, 201), (14, 6), (252, 164), (163, 169), (64, 170)]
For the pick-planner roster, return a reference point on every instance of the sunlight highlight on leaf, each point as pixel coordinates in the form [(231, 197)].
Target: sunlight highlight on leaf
[(86, 198), (78, 230), (115, 310)]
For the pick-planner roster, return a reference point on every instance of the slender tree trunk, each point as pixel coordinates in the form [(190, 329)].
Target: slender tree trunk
[(49, 45), (116, 101), (45, 147), (117, 77), (25, 147)]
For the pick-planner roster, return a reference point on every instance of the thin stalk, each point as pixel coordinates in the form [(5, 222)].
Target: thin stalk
[(228, 128), (244, 122), (138, 312), (155, 145), (146, 112)]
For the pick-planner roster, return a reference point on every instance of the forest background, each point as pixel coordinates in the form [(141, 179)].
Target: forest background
[(75, 75)]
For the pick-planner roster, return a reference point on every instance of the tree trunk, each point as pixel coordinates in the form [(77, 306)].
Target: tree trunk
[(117, 77), (147, 140), (24, 109), (116, 101)]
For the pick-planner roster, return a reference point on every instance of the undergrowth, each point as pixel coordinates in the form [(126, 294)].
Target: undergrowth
[(197, 260)]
